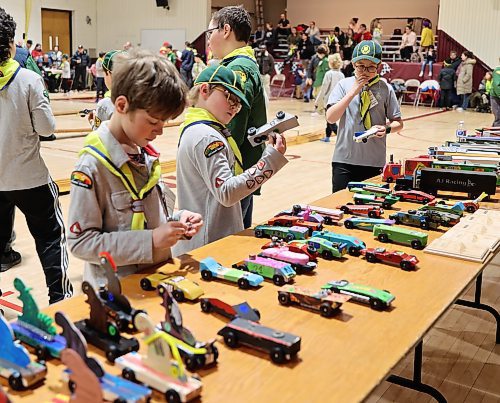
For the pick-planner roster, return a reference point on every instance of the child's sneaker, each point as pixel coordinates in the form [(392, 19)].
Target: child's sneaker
[(325, 139), (315, 114), (430, 73), (9, 260), (421, 74)]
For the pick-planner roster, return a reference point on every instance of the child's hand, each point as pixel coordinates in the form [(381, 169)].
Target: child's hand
[(193, 221), (167, 235), (360, 82), (90, 117), (278, 142), (380, 131)]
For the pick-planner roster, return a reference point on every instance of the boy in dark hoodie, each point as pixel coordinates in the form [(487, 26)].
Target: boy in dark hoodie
[(446, 80)]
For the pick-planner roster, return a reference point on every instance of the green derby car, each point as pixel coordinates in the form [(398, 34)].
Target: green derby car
[(384, 201), (386, 233), (377, 299)]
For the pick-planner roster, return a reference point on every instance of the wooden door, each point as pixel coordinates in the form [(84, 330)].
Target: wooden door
[(56, 30)]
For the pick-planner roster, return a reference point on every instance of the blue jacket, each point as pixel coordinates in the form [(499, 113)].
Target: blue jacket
[(187, 60)]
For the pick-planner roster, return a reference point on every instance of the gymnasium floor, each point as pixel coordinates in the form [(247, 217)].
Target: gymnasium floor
[(460, 355)]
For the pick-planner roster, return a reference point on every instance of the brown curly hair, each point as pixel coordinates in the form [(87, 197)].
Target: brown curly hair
[(7, 33)]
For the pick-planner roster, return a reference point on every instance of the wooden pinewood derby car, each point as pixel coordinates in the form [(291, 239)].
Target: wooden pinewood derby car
[(404, 260), (281, 346), (323, 301)]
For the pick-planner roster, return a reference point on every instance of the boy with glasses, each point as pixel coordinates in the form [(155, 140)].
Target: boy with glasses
[(210, 177), (361, 103), (228, 34)]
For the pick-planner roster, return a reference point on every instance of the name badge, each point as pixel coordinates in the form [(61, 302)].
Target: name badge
[(373, 100)]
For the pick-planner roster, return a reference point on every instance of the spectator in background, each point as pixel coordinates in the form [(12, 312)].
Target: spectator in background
[(56, 56), (453, 60), (305, 50), (294, 38), (363, 34), (127, 46), (29, 45), (348, 45), (464, 80), (259, 36), (426, 38), (270, 36), (99, 77), (81, 61), (332, 77), (446, 80), (37, 53), (408, 43), (283, 27), (170, 54), (66, 74), (377, 32), (495, 96), (353, 24), (313, 32), (187, 61), (429, 58), (198, 66), (266, 68), (319, 64), (332, 42)]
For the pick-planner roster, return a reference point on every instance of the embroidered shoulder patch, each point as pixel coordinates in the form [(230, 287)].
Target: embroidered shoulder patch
[(213, 148), (97, 122), (242, 74), (79, 178)]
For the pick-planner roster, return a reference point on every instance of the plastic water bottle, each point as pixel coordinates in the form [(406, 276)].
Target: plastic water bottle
[(461, 132)]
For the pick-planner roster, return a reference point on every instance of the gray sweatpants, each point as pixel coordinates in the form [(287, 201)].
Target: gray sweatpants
[(495, 108)]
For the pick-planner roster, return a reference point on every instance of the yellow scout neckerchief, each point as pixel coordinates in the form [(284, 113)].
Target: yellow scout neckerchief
[(107, 94), (195, 116), (8, 72), (94, 146), (366, 103), (245, 51)]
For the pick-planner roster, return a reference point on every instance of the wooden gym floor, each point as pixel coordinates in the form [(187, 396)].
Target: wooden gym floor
[(461, 358)]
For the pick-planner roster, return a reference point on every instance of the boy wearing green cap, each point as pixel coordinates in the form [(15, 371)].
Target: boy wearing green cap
[(211, 177), (361, 103), (118, 201), (105, 106), (228, 34)]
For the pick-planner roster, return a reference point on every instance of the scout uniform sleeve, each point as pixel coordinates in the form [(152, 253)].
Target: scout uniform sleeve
[(87, 236), (392, 109), (211, 156), (42, 117)]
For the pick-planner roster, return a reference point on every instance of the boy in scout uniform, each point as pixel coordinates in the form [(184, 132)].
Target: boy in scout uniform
[(228, 35), (118, 203), (362, 102), (211, 178)]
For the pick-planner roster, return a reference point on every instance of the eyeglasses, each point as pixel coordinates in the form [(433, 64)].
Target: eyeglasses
[(232, 100), (209, 32), (362, 69)]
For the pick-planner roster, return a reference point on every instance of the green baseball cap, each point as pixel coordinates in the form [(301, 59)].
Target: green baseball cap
[(221, 75), (107, 63), (367, 50)]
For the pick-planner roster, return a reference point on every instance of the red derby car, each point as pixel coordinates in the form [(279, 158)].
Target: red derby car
[(404, 260), (414, 195), (362, 209)]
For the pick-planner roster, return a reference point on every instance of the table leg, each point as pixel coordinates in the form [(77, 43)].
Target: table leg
[(416, 382), (478, 305)]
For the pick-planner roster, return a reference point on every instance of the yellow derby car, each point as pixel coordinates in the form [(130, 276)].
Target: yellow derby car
[(181, 287)]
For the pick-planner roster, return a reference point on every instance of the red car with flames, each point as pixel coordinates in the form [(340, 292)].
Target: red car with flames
[(362, 209), (404, 260)]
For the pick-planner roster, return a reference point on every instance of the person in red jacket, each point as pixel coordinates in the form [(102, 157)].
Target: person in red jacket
[(363, 34)]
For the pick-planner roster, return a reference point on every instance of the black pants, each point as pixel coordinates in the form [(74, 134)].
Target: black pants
[(330, 128), (406, 52), (80, 80), (43, 214), (65, 85), (100, 88), (446, 96), (342, 174)]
